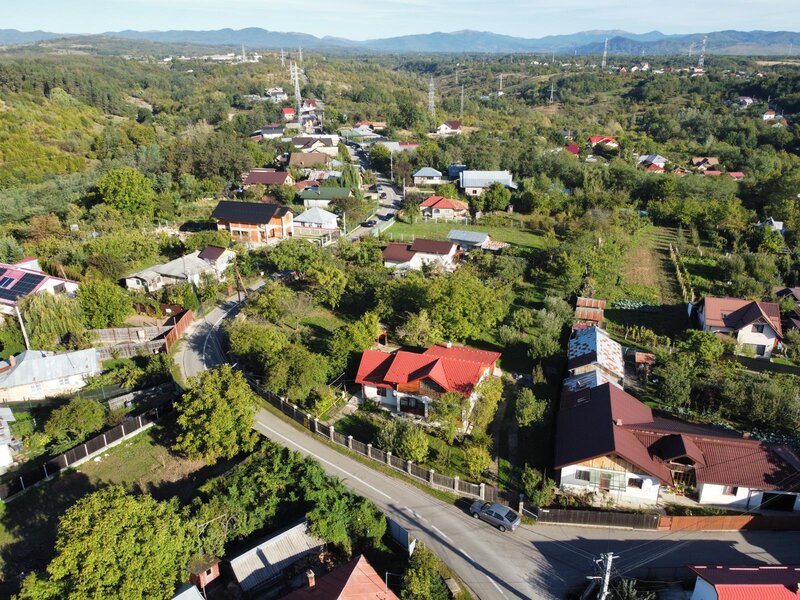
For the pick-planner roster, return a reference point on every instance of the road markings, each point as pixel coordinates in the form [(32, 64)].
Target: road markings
[(494, 583), (327, 462), (416, 514), (465, 554), (441, 533)]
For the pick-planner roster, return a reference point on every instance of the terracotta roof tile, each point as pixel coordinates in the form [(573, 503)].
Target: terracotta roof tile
[(764, 582)]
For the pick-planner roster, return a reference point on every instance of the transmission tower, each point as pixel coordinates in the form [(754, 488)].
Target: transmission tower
[(297, 90), (702, 60), (283, 58), (605, 55), (300, 54), (691, 48), (432, 98), (461, 111), (500, 93), (552, 91)]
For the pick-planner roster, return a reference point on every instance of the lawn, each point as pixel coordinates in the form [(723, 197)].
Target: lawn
[(516, 235), (142, 463), (321, 322)]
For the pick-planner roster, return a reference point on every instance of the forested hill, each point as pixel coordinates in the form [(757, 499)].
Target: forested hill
[(585, 42)]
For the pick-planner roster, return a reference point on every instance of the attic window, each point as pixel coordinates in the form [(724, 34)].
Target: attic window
[(758, 328)]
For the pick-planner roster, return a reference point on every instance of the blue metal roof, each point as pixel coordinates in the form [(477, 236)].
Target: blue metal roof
[(427, 172)]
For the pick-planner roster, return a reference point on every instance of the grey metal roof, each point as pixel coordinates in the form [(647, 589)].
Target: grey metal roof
[(427, 172), (317, 216), (269, 559), (36, 366), (181, 267), (188, 592), (471, 237), (482, 179)]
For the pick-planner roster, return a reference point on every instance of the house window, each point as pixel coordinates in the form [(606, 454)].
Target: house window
[(635, 482), (758, 328), (208, 571), (583, 475), (63, 381), (730, 490), (724, 315), (761, 350), (383, 392), (36, 387), (60, 289)]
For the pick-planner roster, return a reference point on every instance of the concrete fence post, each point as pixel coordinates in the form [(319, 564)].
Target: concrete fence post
[(388, 458), (294, 411), (350, 442), (455, 483), (408, 466), (310, 421), (66, 462), (316, 425), (521, 502), (369, 450), (331, 430), (430, 475), (483, 491), (105, 441)]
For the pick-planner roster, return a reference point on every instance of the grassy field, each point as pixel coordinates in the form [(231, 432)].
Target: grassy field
[(143, 463), (404, 232), (322, 323)]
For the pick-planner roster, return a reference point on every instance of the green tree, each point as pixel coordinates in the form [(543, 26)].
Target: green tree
[(792, 343), (295, 372), (462, 306), (537, 489), (490, 392), (328, 283), (350, 340), (254, 344), (54, 322), (103, 303), (72, 423), (530, 410), (127, 190), (477, 459), (449, 410), (626, 589), (420, 331), (112, 544), (496, 197), (705, 346), (411, 210), (10, 250), (215, 416), (675, 378), (423, 578), (414, 444)]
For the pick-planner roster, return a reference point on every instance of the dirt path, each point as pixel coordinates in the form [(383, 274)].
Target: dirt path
[(648, 264)]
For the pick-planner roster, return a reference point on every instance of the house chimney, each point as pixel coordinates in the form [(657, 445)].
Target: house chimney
[(449, 345), (311, 578), (617, 421), (746, 435)]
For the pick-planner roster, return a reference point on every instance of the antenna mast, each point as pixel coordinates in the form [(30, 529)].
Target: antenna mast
[(605, 55), (702, 60), (432, 98)]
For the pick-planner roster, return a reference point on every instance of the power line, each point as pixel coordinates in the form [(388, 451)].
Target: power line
[(432, 98)]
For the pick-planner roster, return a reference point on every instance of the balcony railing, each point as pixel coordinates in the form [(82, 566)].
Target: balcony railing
[(615, 482)]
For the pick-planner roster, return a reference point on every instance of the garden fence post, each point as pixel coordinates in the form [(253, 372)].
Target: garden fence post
[(483, 491), (408, 466), (331, 432), (369, 450), (350, 442), (455, 483), (388, 458), (316, 424), (430, 475)]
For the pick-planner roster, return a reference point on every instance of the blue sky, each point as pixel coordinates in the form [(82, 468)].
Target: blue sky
[(364, 19)]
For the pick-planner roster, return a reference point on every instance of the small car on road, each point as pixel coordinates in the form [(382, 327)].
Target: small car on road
[(498, 515), (369, 223)]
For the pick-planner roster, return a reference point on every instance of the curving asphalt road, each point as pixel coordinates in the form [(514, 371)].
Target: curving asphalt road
[(540, 561)]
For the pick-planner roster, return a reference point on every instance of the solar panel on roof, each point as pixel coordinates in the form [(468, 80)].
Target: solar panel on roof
[(24, 286)]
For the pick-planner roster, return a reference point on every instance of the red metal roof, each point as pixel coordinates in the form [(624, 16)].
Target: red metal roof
[(211, 253), (443, 203), (266, 177), (573, 149), (432, 247), (736, 313), (356, 580), (584, 313), (750, 582), (590, 302), (398, 253), (287, 110), (602, 139), (456, 369)]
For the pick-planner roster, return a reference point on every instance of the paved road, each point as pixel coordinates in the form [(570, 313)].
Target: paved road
[(538, 561), (386, 210)]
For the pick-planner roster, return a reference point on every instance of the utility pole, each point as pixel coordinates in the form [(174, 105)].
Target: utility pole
[(691, 48), (605, 55), (432, 98), (702, 60), (22, 327), (461, 111), (391, 165), (606, 560)]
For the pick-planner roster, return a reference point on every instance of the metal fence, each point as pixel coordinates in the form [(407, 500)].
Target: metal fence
[(597, 518), (417, 472), (21, 482)]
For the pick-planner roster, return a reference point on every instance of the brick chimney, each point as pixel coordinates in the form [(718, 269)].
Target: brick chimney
[(312, 580)]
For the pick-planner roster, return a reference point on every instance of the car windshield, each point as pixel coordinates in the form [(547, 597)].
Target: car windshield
[(511, 516)]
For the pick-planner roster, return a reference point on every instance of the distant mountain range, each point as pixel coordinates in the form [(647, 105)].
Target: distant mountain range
[(585, 42)]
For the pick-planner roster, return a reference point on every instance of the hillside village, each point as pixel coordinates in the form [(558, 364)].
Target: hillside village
[(295, 319)]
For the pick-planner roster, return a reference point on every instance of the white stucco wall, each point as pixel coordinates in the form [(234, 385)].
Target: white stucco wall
[(6, 458), (648, 494), (710, 493), (45, 389), (704, 590), (747, 335)]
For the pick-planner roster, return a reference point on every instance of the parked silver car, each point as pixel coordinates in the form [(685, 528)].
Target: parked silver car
[(498, 515)]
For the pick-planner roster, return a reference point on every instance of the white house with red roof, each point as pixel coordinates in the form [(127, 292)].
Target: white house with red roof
[(449, 128), (26, 278), (288, 113), (603, 140), (756, 326), (419, 253), (407, 382), (439, 207), (762, 582)]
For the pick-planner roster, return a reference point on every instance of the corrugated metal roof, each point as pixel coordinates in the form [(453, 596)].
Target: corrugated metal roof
[(188, 592), (764, 582), (482, 179), (427, 172), (470, 237), (36, 366), (317, 216), (590, 302), (269, 559), (592, 345)]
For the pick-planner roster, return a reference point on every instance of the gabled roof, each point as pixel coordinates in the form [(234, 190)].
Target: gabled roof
[(432, 247), (427, 172), (477, 238), (23, 279), (400, 253), (573, 149), (783, 292), (455, 369), (266, 177), (593, 345), (750, 582), (318, 216), (443, 203), (603, 140), (36, 366), (211, 253), (483, 179), (356, 580), (268, 560), (308, 159), (288, 110), (735, 313), (251, 213), (325, 193)]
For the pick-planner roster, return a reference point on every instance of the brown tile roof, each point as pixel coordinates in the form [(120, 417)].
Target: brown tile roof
[(735, 313), (356, 580), (441, 202), (211, 253), (584, 313), (267, 177), (432, 247), (453, 124), (397, 253), (590, 302), (308, 159)]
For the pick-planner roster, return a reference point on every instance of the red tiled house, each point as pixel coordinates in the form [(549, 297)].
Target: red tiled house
[(603, 140), (756, 326), (418, 253), (746, 582), (439, 207), (267, 177), (609, 442), (254, 222), (356, 580), (407, 381)]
